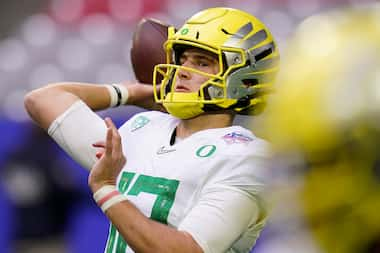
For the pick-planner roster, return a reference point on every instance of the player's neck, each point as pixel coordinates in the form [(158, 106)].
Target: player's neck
[(202, 122)]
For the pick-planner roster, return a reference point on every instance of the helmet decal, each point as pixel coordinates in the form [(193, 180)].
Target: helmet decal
[(236, 40), (184, 31)]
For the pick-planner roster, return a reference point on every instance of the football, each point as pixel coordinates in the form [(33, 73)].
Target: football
[(147, 48)]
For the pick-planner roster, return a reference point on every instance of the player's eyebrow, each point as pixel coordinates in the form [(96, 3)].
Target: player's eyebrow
[(204, 58), (200, 56)]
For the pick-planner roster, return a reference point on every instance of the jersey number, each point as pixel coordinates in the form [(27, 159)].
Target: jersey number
[(164, 188)]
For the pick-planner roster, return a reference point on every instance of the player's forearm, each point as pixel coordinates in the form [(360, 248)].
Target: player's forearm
[(142, 95), (145, 235), (47, 103)]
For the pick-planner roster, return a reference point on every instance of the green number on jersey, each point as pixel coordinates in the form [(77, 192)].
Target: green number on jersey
[(164, 188), (121, 245)]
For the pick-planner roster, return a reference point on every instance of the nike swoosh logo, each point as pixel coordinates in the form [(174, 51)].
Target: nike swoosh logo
[(163, 150)]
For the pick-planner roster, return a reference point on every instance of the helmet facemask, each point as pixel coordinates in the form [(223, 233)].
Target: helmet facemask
[(211, 93)]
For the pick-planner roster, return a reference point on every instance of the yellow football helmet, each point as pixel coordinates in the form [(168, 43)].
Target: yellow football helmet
[(327, 109), (248, 59)]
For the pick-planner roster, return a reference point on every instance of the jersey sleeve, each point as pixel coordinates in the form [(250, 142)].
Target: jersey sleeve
[(229, 205), (220, 217), (76, 130)]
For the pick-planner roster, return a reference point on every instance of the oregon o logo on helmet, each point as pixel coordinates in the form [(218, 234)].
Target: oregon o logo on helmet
[(206, 150), (185, 31)]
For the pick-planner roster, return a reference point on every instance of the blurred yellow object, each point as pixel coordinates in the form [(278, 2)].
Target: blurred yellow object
[(327, 109)]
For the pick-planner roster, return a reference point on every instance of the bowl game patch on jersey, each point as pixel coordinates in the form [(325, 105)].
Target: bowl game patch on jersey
[(236, 137)]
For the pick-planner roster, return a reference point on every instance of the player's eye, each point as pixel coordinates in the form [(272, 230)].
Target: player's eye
[(203, 63)]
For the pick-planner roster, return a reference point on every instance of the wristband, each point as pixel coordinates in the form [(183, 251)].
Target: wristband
[(108, 196), (118, 94)]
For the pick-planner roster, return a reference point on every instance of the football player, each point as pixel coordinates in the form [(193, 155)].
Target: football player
[(326, 111), (186, 180)]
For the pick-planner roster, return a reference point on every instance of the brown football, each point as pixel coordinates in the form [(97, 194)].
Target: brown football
[(147, 48)]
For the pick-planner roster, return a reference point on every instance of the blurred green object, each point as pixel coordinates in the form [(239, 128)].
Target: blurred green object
[(327, 110)]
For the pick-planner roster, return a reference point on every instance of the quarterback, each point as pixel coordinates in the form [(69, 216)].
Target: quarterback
[(186, 180)]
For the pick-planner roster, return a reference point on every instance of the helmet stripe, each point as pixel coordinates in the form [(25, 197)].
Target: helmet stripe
[(256, 39), (244, 30), (237, 39)]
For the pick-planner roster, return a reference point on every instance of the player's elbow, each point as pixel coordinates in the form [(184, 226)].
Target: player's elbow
[(32, 103), (36, 105)]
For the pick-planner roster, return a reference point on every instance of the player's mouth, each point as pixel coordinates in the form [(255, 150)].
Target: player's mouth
[(181, 88)]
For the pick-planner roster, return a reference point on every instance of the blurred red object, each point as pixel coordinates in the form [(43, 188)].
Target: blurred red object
[(73, 11)]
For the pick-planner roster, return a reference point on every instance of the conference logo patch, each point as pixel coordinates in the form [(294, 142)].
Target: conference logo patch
[(139, 122)]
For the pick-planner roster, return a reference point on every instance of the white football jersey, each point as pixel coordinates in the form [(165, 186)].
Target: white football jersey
[(207, 184)]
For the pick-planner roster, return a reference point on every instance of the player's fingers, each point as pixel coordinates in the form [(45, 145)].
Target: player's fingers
[(110, 123), (116, 152), (116, 141), (108, 147), (99, 144), (99, 154)]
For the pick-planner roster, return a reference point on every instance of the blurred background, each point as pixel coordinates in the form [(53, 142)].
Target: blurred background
[(45, 204)]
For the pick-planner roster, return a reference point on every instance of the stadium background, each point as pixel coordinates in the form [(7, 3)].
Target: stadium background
[(45, 204)]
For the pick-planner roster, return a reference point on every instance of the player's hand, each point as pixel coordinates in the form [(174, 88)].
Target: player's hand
[(111, 159), (142, 95)]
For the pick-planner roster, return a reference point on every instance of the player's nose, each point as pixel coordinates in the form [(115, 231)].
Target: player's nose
[(183, 74)]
